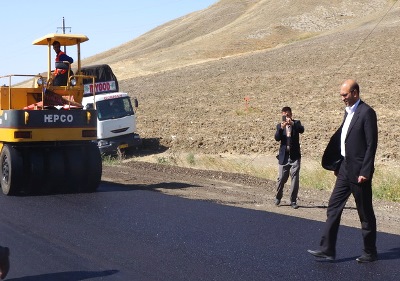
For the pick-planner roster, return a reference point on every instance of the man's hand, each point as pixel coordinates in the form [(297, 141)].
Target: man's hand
[(362, 179), (288, 121)]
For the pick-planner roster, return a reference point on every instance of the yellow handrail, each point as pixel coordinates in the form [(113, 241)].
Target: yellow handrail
[(10, 85)]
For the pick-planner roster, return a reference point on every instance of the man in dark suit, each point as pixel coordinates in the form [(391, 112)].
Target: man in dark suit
[(357, 144), (287, 132)]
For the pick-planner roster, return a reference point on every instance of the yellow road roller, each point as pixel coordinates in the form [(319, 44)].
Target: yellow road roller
[(46, 136)]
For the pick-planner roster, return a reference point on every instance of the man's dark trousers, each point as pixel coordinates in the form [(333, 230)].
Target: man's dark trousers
[(363, 197)]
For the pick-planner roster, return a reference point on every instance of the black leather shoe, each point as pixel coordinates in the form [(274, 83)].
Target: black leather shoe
[(367, 258), (322, 255)]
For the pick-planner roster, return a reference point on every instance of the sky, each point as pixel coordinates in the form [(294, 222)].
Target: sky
[(107, 24)]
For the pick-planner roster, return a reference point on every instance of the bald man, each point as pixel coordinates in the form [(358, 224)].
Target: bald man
[(356, 141)]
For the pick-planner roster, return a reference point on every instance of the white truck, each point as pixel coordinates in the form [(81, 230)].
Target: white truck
[(116, 119)]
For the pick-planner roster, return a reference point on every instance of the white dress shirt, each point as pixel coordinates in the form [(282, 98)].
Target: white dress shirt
[(350, 113)]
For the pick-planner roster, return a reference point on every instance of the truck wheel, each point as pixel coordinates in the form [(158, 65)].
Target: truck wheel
[(11, 170)]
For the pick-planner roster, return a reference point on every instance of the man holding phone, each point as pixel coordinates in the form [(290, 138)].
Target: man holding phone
[(288, 133)]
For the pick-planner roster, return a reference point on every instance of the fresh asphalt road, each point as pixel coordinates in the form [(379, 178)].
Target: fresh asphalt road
[(120, 233)]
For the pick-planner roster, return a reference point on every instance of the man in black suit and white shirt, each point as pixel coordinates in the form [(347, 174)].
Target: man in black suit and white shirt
[(288, 133), (357, 145)]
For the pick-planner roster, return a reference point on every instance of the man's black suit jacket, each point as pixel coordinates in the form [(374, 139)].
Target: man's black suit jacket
[(360, 144), (280, 135)]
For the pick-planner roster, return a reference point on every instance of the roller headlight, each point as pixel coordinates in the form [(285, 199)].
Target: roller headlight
[(40, 81)]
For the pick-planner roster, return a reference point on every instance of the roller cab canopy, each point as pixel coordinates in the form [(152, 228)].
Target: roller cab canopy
[(64, 39)]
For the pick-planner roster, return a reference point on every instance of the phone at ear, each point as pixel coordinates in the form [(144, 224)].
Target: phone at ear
[(283, 118)]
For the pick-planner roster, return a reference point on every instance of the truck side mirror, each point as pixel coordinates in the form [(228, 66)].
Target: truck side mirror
[(136, 103)]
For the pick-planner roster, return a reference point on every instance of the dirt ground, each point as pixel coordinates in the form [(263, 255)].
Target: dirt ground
[(195, 98), (239, 190), (214, 82)]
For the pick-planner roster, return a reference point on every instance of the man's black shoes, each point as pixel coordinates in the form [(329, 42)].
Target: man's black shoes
[(322, 255), (362, 259), (293, 204), (367, 258)]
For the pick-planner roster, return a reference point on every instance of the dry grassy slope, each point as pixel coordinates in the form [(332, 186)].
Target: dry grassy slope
[(191, 75), (231, 27)]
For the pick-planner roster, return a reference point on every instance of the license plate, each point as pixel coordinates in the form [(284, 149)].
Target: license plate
[(122, 146)]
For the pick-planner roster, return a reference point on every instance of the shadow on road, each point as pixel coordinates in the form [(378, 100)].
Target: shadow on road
[(111, 186), (317, 207), (149, 146), (392, 254), (70, 276)]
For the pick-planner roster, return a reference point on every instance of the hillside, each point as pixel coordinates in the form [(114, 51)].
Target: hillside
[(192, 75)]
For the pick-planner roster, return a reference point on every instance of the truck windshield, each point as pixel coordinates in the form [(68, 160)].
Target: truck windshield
[(114, 108)]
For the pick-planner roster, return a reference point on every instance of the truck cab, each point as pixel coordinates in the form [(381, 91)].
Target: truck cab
[(116, 116)]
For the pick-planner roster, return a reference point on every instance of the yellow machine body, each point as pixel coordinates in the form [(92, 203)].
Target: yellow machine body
[(45, 133)]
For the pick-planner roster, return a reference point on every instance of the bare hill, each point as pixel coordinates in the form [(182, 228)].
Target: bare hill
[(192, 75)]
